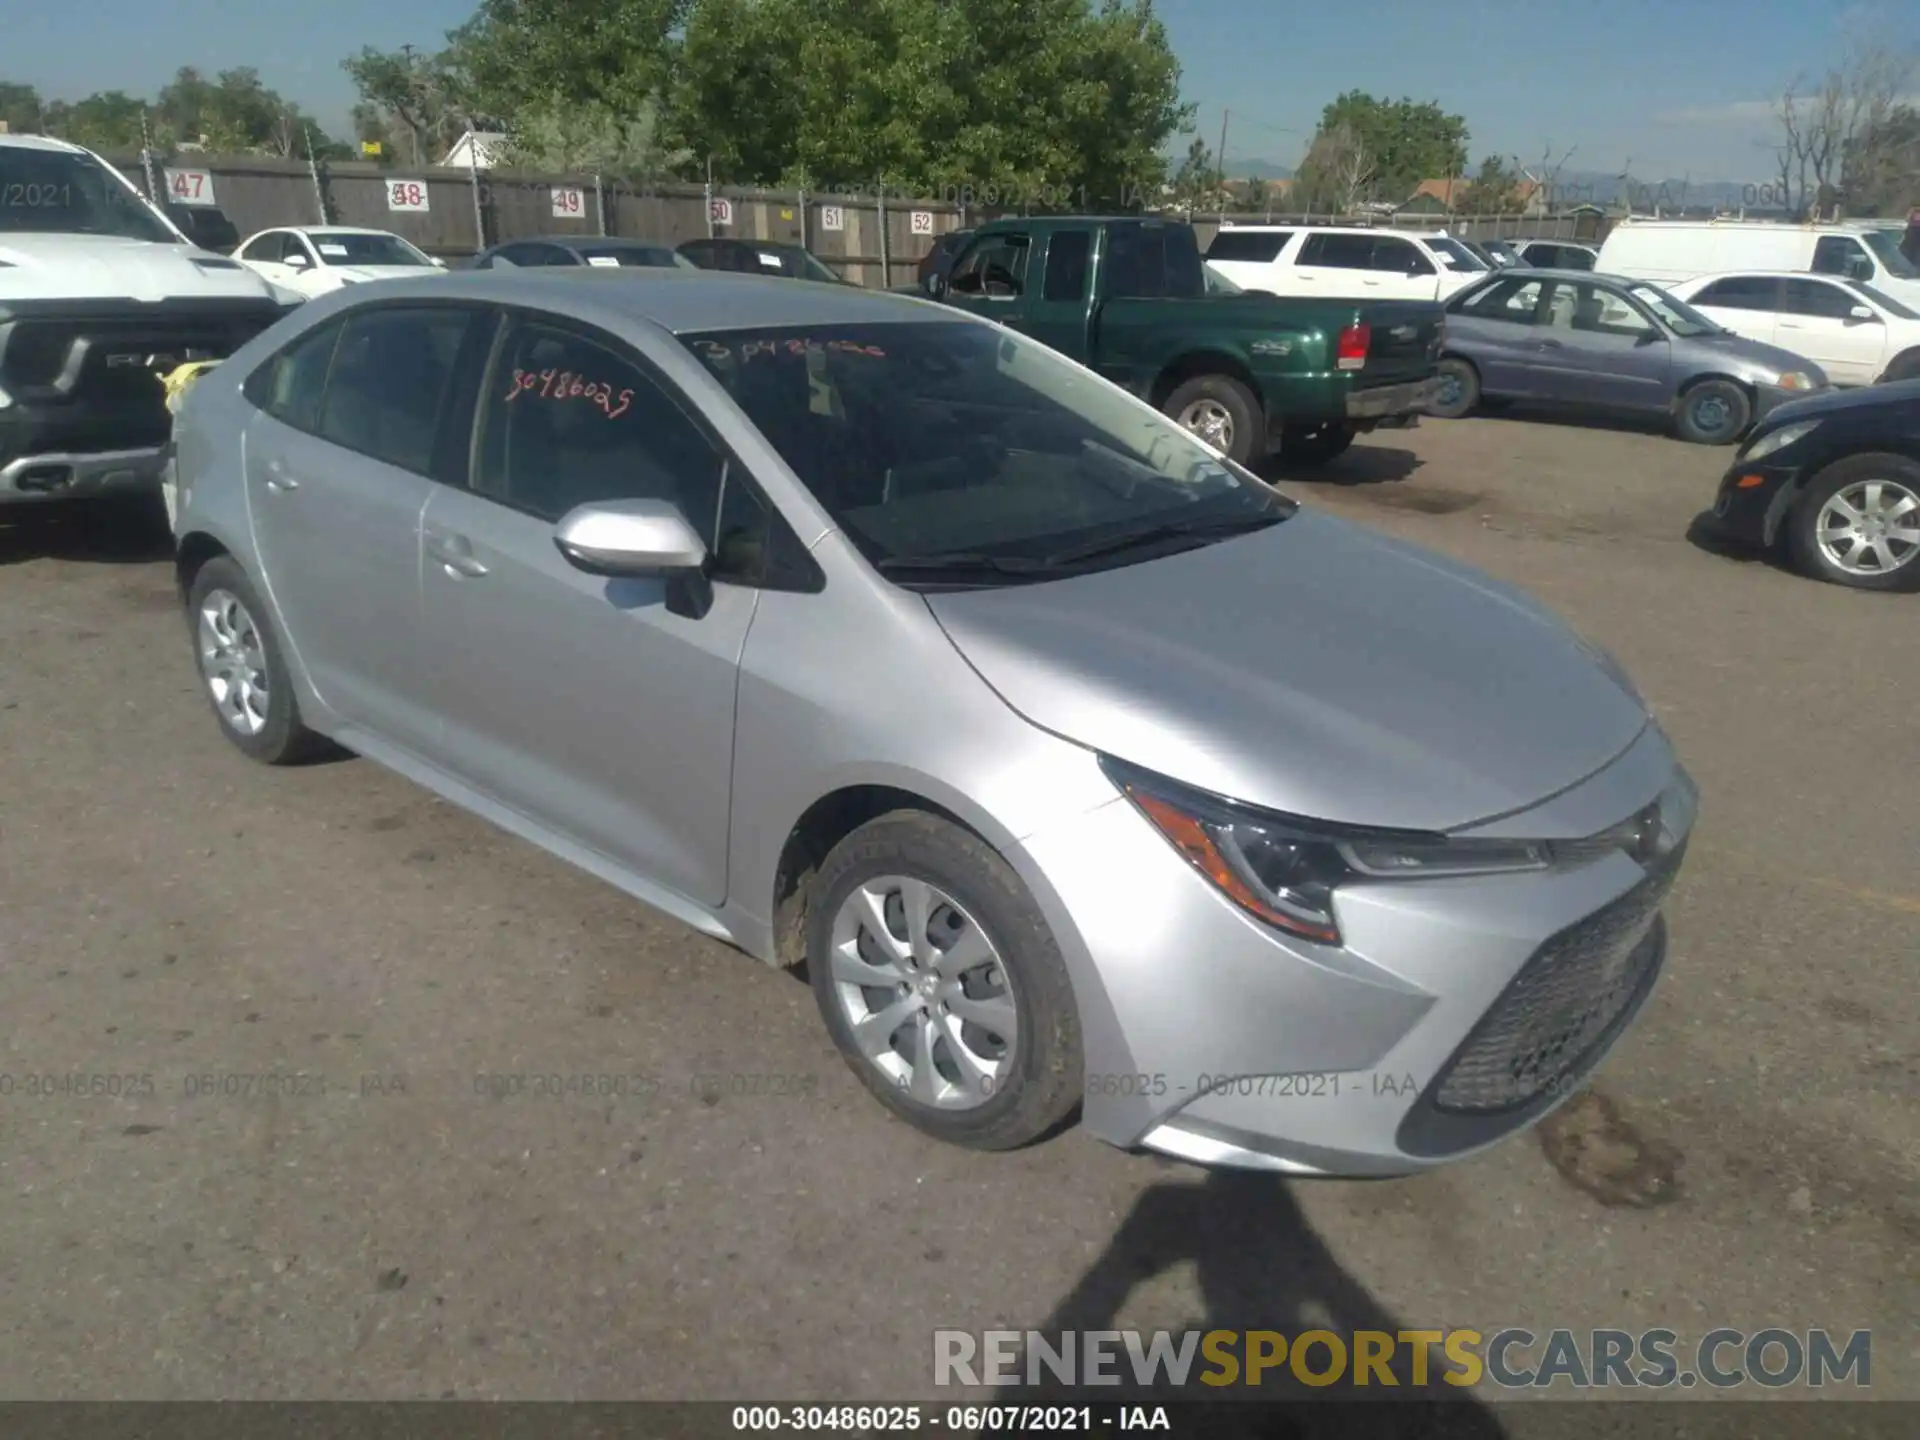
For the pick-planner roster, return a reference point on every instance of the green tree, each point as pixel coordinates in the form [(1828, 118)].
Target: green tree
[(108, 120), (1197, 179), (1340, 171), (416, 104), (21, 110), (1405, 141), (1881, 170), (592, 140), (519, 55), (1493, 190), (235, 113)]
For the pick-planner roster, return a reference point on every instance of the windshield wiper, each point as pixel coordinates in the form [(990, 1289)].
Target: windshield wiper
[(962, 560), (1200, 530)]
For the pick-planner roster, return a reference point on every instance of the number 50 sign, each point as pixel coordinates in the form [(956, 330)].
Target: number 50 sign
[(407, 195)]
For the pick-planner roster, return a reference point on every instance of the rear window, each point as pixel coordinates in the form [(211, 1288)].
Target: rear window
[(1456, 256), (1257, 246)]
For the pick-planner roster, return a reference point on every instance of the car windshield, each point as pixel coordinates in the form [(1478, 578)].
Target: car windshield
[(60, 193), (1886, 249), (1679, 317), (1456, 256), (1885, 301), (347, 247), (975, 455), (811, 268)]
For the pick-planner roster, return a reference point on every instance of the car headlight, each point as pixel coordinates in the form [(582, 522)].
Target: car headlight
[(1284, 871), (1797, 380), (1777, 440)]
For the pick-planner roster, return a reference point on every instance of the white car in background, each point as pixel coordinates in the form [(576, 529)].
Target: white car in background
[(1854, 331), (1335, 260), (318, 259)]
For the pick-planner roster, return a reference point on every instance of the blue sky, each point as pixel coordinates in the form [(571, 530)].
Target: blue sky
[(1676, 88)]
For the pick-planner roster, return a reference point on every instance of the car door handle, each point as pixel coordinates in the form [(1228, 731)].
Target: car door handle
[(456, 556), (278, 478), (1549, 345)]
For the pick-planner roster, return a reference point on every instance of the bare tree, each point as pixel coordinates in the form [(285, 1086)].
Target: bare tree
[(1545, 175), (1823, 121), (1353, 170)]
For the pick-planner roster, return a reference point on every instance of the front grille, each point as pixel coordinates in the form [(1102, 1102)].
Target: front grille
[(1564, 1004), (111, 358)]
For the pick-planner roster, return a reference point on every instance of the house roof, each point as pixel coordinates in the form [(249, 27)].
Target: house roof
[(1448, 190), (484, 145)]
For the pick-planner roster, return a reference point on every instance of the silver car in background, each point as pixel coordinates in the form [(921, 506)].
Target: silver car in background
[(1605, 344), (1082, 769)]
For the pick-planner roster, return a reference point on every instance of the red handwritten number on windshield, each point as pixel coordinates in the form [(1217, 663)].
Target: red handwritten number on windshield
[(565, 385), (408, 194)]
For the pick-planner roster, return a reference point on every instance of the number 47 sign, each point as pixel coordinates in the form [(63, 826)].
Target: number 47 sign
[(190, 187), (407, 195)]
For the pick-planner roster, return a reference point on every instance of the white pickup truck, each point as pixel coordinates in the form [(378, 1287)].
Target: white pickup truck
[(100, 296)]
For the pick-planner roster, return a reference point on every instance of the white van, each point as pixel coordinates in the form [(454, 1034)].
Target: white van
[(1356, 262), (1669, 251)]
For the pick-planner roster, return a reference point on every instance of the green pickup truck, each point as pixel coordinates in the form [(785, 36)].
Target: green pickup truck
[(1249, 373)]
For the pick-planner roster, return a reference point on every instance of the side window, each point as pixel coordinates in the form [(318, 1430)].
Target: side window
[(390, 380), (1815, 297), (1741, 292), (1258, 246), (1343, 252), (1399, 257), (264, 248), (1842, 255), (297, 251), (1601, 312), (568, 421), (1513, 301), (289, 386), (995, 266), (1068, 253)]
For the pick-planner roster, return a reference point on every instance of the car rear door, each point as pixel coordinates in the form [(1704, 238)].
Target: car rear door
[(1817, 321), (599, 708), (339, 463), (1748, 305), (1330, 262), (1398, 269)]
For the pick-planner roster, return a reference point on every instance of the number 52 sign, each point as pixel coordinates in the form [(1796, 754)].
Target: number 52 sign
[(407, 195)]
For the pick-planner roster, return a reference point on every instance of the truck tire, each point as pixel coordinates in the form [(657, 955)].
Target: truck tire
[(1222, 412), (1315, 444)]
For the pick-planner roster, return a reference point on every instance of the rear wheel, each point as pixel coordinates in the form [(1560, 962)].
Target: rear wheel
[(1905, 366), (1459, 389), (1222, 412), (1858, 524), (1315, 444), (1713, 412)]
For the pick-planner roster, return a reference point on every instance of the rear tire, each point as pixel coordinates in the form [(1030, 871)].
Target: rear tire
[(1315, 444), (1828, 542), (1713, 412), (973, 1085), (1459, 389), (1222, 412)]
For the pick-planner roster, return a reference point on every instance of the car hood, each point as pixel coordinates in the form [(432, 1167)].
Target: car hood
[(111, 267), (1829, 402), (1312, 668), (384, 272), (1754, 352)]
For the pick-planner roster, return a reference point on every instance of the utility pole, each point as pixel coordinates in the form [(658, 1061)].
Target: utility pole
[(1220, 163), (413, 103)]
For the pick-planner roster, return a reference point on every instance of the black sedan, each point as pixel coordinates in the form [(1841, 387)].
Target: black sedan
[(567, 250), (759, 257), (1834, 480)]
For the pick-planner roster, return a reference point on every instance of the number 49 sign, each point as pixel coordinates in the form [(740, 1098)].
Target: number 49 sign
[(407, 195)]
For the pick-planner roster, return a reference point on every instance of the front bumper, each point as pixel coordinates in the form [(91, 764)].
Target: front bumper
[(61, 475), (1388, 402), (1768, 398), (1219, 1041), (1753, 501)]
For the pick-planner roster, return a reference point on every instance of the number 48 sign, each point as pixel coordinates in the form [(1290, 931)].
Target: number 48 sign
[(407, 195)]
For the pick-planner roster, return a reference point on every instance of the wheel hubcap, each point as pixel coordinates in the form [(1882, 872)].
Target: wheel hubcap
[(233, 662), (1870, 528), (1211, 421), (1449, 389), (1711, 413), (923, 990)]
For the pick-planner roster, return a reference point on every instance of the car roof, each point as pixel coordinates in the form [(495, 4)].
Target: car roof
[(1762, 274), (616, 242), (40, 142), (683, 302), (329, 230)]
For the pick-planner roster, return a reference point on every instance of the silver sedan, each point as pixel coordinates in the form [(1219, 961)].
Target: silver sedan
[(1082, 769)]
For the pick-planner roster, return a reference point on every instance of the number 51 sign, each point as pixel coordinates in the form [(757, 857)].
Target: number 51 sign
[(407, 195)]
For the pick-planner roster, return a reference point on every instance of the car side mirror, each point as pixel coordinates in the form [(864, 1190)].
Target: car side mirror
[(296, 262), (639, 540), (937, 285), (1649, 337), (437, 262), (1861, 314)]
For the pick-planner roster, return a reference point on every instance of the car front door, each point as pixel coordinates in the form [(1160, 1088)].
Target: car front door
[(266, 254), (354, 417), (310, 277), (1399, 270), (1748, 305), (990, 274), (1599, 348), (601, 709), (1817, 321)]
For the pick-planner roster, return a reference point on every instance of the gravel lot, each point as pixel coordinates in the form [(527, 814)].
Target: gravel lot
[(1747, 1158)]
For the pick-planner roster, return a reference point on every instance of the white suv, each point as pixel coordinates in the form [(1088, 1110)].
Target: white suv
[(1345, 261)]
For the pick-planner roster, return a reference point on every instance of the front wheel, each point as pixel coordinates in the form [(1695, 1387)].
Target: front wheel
[(1858, 524), (1315, 444), (941, 984), (242, 668), (1221, 411), (1459, 389), (1714, 412)]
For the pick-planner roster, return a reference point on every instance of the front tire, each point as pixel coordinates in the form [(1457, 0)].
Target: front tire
[(243, 669), (1222, 412), (1858, 524), (941, 984), (1713, 412), (1459, 389)]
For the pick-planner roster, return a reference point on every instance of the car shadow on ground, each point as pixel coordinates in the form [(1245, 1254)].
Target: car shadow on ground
[(1707, 535), (1364, 464), (1259, 1266), (1536, 412), (118, 532)]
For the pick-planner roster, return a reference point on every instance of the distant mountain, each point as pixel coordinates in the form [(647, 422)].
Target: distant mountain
[(1599, 188), (1257, 170)]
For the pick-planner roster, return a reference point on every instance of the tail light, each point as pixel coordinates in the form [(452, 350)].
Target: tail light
[(1353, 345)]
